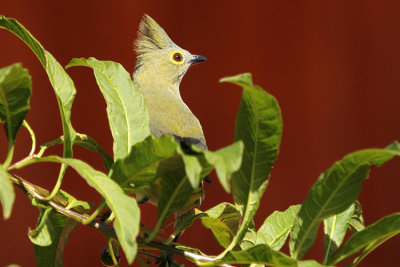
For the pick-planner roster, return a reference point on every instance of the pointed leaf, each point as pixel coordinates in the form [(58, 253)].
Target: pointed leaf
[(223, 220), (226, 161), (50, 237), (335, 190), (259, 126), (44, 232), (15, 92), (127, 113), (335, 228), (193, 167), (275, 229), (15, 27), (372, 235), (261, 254), (125, 208), (62, 84), (7, 194)]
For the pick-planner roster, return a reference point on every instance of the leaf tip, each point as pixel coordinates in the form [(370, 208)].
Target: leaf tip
[(240, 79), (76, 62), (394, 148)]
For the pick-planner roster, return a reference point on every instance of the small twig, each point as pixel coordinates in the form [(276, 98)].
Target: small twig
[(149, 254), (142, 262)]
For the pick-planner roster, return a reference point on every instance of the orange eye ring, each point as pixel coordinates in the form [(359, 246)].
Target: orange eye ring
[(177, 57)]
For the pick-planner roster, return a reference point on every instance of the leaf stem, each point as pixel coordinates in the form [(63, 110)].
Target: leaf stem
[(111, 251), (155, 231), (10, 154), (33, 137), (58, 183), (23, 162), (110, 218), (101, 206)]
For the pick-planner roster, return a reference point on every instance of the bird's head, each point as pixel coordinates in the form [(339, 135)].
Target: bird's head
[(158, 57)]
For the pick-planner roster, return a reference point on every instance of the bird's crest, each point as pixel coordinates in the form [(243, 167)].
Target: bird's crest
[(151, 36)]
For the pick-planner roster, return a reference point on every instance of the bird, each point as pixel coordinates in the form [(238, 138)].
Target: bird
[(160, 67)]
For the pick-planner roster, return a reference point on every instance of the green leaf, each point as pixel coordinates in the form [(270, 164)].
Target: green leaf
[(7, 194), (139, 168), (193, 167), (15, 92), (127, 113), (223, 220), (249, 239), (65, 93), (226, 160), (43, 234), (261, 254), (175, 188), (56, 231), (125, 208), (369, 238), (15, 27), (335, 190), (176, 192), (259, 126), (275, 229), (63, 86), (171, 173), (335, 230)]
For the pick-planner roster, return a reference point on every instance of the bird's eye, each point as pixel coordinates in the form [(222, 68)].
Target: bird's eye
[(178, 57)]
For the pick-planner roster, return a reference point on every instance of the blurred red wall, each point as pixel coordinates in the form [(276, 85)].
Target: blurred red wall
[(333, 66)]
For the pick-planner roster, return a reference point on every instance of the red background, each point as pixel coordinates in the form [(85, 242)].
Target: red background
[(333, 66)]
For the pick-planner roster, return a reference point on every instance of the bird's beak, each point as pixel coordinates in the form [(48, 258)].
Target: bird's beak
[(197, 59)]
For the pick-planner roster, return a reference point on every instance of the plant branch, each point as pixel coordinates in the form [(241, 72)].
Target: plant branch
[(60, 204)]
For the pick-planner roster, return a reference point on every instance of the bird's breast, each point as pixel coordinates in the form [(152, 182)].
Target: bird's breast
[(170, 115)]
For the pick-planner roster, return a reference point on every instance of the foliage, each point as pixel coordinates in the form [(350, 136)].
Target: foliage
[(140, 160)]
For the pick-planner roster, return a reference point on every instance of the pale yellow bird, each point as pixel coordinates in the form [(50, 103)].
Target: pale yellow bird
[(160, 67)]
